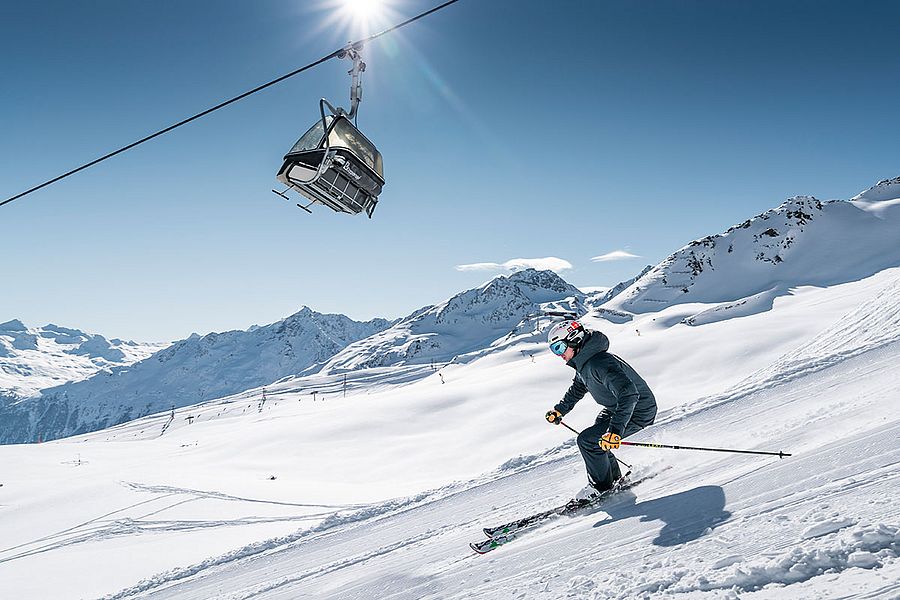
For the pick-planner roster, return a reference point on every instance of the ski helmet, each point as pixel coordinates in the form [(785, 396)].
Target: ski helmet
[(570, 333)]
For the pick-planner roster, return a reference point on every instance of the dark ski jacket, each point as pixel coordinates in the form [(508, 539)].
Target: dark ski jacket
[(612, 383)]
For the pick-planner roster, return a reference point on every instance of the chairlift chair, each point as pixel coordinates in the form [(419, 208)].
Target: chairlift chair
[(334, 163)]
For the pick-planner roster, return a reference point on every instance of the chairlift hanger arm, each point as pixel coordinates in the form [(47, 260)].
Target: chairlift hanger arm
[(352, 51)]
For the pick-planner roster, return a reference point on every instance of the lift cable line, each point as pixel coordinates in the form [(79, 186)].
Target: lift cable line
[(353, 46)]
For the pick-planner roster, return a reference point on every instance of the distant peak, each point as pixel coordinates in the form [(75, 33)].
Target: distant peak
[(883, 182), (800, 200), (886, 189), (522, 281), (52, 327), (14, 325), (304, 312), (534, 276), (528, 273)]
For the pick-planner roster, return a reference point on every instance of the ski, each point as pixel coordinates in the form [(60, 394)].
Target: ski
[(497, 536)]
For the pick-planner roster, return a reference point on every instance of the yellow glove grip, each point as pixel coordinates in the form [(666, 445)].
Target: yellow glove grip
[(610, 441), (553, 416)]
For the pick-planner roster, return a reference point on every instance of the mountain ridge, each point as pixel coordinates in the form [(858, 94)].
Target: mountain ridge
[(468, 321), (803, 241)]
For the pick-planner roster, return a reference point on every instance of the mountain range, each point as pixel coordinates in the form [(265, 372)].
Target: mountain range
[(32, 359), (742, 271), (189, 371)]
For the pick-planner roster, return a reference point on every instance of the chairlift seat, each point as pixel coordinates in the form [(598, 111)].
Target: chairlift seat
[(336, 165)]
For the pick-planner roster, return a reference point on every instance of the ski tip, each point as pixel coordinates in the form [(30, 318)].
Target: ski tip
[(487, 532), (477, 550)]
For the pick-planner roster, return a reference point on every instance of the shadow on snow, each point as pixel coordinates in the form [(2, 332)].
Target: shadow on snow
[(687, 515)]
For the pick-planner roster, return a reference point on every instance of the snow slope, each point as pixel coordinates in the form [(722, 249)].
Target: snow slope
[(822, 524), (376, 494), (33, 358), (187, 372)]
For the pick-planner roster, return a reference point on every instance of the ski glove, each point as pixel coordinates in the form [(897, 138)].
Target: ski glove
[(553, 416), (610, 441)]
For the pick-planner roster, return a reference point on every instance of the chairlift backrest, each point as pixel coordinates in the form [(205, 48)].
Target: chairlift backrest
[(341, 134), (334, 164)]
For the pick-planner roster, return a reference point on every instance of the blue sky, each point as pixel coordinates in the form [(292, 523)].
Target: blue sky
[(510, 130)]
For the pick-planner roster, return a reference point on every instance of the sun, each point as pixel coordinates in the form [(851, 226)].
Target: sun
[(362, 9), (365, 15), (350, 20)]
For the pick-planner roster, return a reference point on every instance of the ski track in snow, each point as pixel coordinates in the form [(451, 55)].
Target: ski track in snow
[(344, 521), (719, 513), (166, 489)]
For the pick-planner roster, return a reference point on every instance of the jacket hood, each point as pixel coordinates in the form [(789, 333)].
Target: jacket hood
[(596, 343)]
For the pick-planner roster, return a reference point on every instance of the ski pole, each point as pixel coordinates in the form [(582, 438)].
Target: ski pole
[(573, 430), (779, 454), (576, 432)]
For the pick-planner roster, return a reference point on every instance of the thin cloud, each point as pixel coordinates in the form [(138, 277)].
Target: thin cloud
[(550, 263), (614, 255)]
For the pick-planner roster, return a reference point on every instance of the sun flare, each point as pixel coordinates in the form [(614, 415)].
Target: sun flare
[(363, 9), (365, 15), (356, 18)]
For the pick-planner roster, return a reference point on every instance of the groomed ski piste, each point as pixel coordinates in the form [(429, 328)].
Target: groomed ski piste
[(377, 493)]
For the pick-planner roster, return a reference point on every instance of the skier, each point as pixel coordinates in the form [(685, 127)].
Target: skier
[(628, 404)]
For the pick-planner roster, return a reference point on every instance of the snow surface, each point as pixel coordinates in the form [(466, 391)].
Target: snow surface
[(371, 483)]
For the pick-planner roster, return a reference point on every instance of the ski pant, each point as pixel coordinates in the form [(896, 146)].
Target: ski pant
[(602, 466)]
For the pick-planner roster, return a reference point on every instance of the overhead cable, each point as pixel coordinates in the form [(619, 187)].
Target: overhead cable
[(336, 53)]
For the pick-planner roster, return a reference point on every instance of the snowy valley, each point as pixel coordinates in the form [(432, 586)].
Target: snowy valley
[(324, 458)]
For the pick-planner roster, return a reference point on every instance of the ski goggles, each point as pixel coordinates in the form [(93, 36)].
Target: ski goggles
[(559, 347)]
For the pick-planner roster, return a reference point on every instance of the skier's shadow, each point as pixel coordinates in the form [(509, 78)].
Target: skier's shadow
[(687, 515)]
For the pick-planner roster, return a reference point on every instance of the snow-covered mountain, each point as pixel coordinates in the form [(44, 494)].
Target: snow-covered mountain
[(886, 191), (604, 295), (187, 372), (40, 357), (469, 321), (802, 242), (734, 274)]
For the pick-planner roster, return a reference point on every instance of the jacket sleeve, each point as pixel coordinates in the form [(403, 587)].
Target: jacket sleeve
[(575, 393), (626, 394)]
